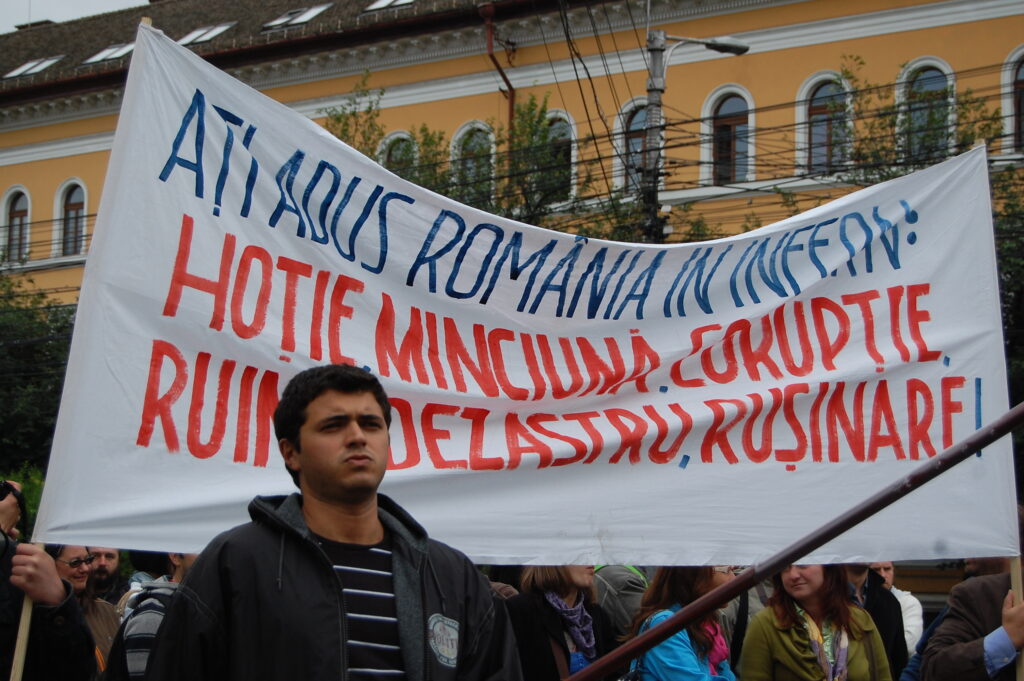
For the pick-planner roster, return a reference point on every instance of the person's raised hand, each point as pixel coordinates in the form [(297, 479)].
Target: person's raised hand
[(34, 572), (10, 511), (1013, 620)]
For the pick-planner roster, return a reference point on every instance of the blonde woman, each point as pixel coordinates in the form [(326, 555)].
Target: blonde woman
[(559, 627)]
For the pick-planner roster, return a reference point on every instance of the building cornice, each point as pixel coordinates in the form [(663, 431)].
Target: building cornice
[(70, 146), (530, 31), (397, 53)]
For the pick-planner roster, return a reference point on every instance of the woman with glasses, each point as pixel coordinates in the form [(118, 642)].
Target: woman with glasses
[(74, 564), (810, 631), (699, 651)]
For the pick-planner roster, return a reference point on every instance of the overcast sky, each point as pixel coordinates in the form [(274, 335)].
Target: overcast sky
[(14, 12)]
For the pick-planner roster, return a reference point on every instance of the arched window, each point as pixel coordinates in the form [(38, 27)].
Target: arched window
[(560, 139), (636, 145), (731, 133), (73, 228), (400, 156), (474, 168), (16, 246), (927, 122), (1018, 106), (826, 121)]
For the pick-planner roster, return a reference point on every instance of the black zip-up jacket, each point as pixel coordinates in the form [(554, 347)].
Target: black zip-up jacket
[(263, 602)]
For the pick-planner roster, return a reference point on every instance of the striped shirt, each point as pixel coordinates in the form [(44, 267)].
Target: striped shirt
[(373, 648)]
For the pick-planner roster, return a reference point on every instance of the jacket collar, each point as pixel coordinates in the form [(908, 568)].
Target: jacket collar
[(285, 513), (858, 617)]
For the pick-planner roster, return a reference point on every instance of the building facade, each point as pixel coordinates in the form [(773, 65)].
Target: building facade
[(745, 139), (740, 141)]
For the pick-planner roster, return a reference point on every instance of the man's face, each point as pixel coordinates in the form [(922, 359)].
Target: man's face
[(106, 563), (886, 570), (182, 563), (343, 448)]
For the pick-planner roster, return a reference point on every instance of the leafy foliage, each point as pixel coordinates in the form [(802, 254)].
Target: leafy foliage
[(1008, 219), (891, 137), (529, 172), (31, 478), (357, 120), (885, 136), (35, 333)]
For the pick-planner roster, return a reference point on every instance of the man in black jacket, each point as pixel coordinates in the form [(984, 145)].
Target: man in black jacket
[(338, 582), (59, 643), (867, 589)]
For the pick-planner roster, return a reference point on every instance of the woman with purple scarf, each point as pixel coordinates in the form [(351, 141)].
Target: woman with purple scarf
[(810, 631), (559, 627), (696, 653)]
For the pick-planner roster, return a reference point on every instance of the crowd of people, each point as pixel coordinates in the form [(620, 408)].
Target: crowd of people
[(338, 581)]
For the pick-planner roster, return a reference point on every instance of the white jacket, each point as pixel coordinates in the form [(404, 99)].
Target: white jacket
[(913, 618)]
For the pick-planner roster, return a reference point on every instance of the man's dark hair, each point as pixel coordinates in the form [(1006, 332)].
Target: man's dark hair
[(154, 563), (308, 385)]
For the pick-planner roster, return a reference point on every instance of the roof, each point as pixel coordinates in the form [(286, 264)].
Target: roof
[(344, 23)]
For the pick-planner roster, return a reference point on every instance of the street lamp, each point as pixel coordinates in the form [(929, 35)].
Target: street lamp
[(658, 67)]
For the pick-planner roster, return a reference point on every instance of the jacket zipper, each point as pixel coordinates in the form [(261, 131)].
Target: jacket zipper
[(342, 626)]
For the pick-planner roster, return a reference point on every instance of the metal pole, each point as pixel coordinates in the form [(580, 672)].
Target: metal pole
[(824, 534), (652, 139)]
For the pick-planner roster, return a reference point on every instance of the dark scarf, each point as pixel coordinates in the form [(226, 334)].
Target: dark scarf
[(577, 622)]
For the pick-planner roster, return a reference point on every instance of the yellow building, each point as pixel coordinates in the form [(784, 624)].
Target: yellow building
[(735, 127)]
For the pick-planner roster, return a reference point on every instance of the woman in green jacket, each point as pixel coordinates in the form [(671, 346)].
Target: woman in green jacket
[(811, 632)]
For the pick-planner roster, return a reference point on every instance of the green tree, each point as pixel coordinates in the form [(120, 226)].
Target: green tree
[(533, 171), (31, 478), (890, 136), (880, 131), (356, 121), (1008, 220), (881, 136), (35, 333)]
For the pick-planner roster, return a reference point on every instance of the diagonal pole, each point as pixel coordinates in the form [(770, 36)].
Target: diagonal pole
[(619, 657)]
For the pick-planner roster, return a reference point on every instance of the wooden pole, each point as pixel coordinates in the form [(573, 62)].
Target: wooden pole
[(21, 644), (755, 573), (1018, 593)]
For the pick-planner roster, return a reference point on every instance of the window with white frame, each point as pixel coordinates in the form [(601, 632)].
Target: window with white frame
[(112, 52), (560, 181), (474, 167), (34, 66), (731, 133), (297, 17), (635, 145), (399, 155), (205, 34), (16, 232), (383, 4), (826, 128), (927, 115), (1018, 106), (73, 221)]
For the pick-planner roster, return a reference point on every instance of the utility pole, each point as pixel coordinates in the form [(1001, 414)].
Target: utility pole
[(657, 64), (651, 174)]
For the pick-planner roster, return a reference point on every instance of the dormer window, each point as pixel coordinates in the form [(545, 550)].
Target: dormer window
[(295, 17), (383, 4), (205, 34), (112, 52), (34, 66)]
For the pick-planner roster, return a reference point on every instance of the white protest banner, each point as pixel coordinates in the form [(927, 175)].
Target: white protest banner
[(556, 399)]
